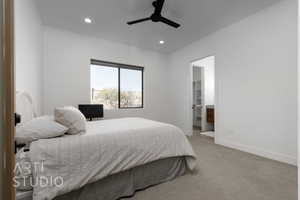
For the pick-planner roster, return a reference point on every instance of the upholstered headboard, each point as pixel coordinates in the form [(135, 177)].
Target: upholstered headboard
[(25, 106)]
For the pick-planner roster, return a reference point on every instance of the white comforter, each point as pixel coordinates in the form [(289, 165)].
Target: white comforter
[(108, 147)]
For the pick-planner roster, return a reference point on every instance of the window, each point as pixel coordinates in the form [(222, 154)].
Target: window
[(104, 86), (116, 85)]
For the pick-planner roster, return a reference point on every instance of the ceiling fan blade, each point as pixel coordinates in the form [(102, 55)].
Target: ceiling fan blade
[(139, 21), (158, 4), (169, 22)]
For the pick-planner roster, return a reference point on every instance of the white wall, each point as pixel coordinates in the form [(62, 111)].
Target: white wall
[(29, 50), (256, 82), (67, 74)]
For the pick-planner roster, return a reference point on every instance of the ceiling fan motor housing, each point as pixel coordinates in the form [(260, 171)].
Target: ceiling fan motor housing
[(154, 3), (155, 17)]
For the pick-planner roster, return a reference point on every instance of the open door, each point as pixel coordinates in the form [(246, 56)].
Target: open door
[(198, 98), (7, 99), (203, 96)]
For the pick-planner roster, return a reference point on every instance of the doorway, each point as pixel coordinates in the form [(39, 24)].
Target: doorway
[(203, 96)]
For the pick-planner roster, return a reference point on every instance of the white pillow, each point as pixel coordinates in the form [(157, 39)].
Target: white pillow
[(39, 128), (72, 118)]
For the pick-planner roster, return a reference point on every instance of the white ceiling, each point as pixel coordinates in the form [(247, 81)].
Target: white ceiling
[(198, 18)]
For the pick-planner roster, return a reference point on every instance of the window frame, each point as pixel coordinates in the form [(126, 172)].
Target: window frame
[(120, 66)]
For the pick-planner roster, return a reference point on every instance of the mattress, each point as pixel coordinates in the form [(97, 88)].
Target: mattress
[(125, 184)]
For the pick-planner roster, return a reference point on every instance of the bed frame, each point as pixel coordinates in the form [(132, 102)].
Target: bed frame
[(127, 183)]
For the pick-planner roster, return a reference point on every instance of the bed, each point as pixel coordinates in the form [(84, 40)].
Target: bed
[(126, 183), (113, 159)]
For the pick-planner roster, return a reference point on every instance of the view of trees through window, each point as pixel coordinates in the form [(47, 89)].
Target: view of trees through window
[(105, 87), (131, 88)]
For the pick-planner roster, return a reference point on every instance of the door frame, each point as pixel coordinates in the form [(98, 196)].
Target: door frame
[(8, 97), (190, 96)]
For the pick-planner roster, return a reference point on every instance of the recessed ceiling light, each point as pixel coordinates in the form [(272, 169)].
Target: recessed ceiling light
[(88, 20), (161, 42)]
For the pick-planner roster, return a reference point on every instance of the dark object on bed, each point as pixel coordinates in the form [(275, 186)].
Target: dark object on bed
[(19, 146), (91, 111), (17, 119)]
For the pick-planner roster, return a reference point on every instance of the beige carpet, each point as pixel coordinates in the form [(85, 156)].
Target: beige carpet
[(227, 174)]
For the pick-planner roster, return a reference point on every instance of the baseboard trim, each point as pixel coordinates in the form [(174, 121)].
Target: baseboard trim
[(253, 150)]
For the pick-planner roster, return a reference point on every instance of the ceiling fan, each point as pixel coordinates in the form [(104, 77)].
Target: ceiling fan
[(156, 16)]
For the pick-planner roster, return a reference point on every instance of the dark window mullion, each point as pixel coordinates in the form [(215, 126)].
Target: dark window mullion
[(116, 65), (142, 88), (119, 87)]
